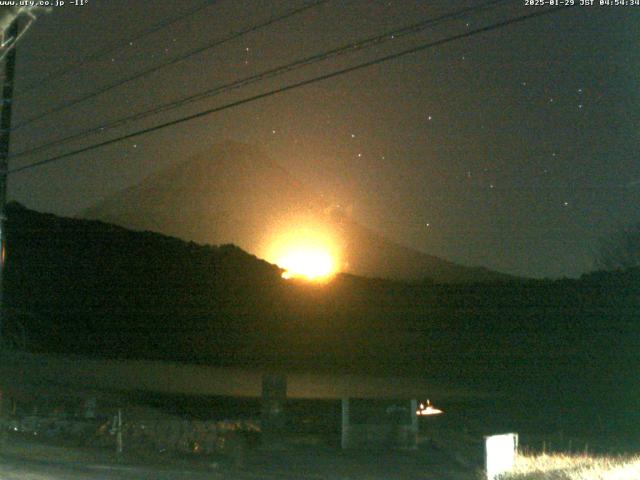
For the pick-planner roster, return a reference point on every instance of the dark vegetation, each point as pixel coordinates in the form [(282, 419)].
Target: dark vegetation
[(559, 354)]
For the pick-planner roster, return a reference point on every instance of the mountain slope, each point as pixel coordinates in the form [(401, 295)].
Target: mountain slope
[(235, 194), (91, 288)]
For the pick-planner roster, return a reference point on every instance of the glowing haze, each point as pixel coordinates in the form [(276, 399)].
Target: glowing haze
[(308, 251)]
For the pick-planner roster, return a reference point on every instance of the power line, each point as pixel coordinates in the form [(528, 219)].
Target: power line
[(173, 61), (92, 57), (349, 48), (306, 61), (293, 86)]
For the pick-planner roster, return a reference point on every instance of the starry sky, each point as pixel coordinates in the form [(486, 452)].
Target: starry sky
[(514, 149)]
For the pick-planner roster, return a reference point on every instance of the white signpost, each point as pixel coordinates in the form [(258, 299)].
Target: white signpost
[(500, 454)]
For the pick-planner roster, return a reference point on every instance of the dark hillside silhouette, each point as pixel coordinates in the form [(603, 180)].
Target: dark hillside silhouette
[(87, 287), (235, 193)]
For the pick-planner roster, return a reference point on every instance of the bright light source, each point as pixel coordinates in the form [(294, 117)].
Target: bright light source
[(427, 409), (304, 248), (309, 263), (500, 454)]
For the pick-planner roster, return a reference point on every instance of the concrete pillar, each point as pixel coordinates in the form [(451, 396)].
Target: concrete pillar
[(274, 396), (345, 424), (89, 407)]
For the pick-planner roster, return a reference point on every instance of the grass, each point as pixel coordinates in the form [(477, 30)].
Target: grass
[(574, 467)]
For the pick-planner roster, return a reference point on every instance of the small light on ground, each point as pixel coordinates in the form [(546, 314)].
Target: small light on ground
[(427, 409)]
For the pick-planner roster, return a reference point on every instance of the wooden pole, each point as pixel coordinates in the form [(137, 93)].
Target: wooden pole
[(5, 135), (119, 444), (344, 441)]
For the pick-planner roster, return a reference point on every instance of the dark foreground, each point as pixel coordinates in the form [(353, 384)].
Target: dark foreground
[(27, 461)]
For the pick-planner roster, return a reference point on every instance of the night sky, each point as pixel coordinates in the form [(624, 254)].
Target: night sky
[(514, 149)]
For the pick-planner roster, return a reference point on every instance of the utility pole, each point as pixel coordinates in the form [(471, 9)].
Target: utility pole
[(5, 133)]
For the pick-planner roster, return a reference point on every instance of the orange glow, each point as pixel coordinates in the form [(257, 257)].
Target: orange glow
[(307, 251), (307, 262)]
